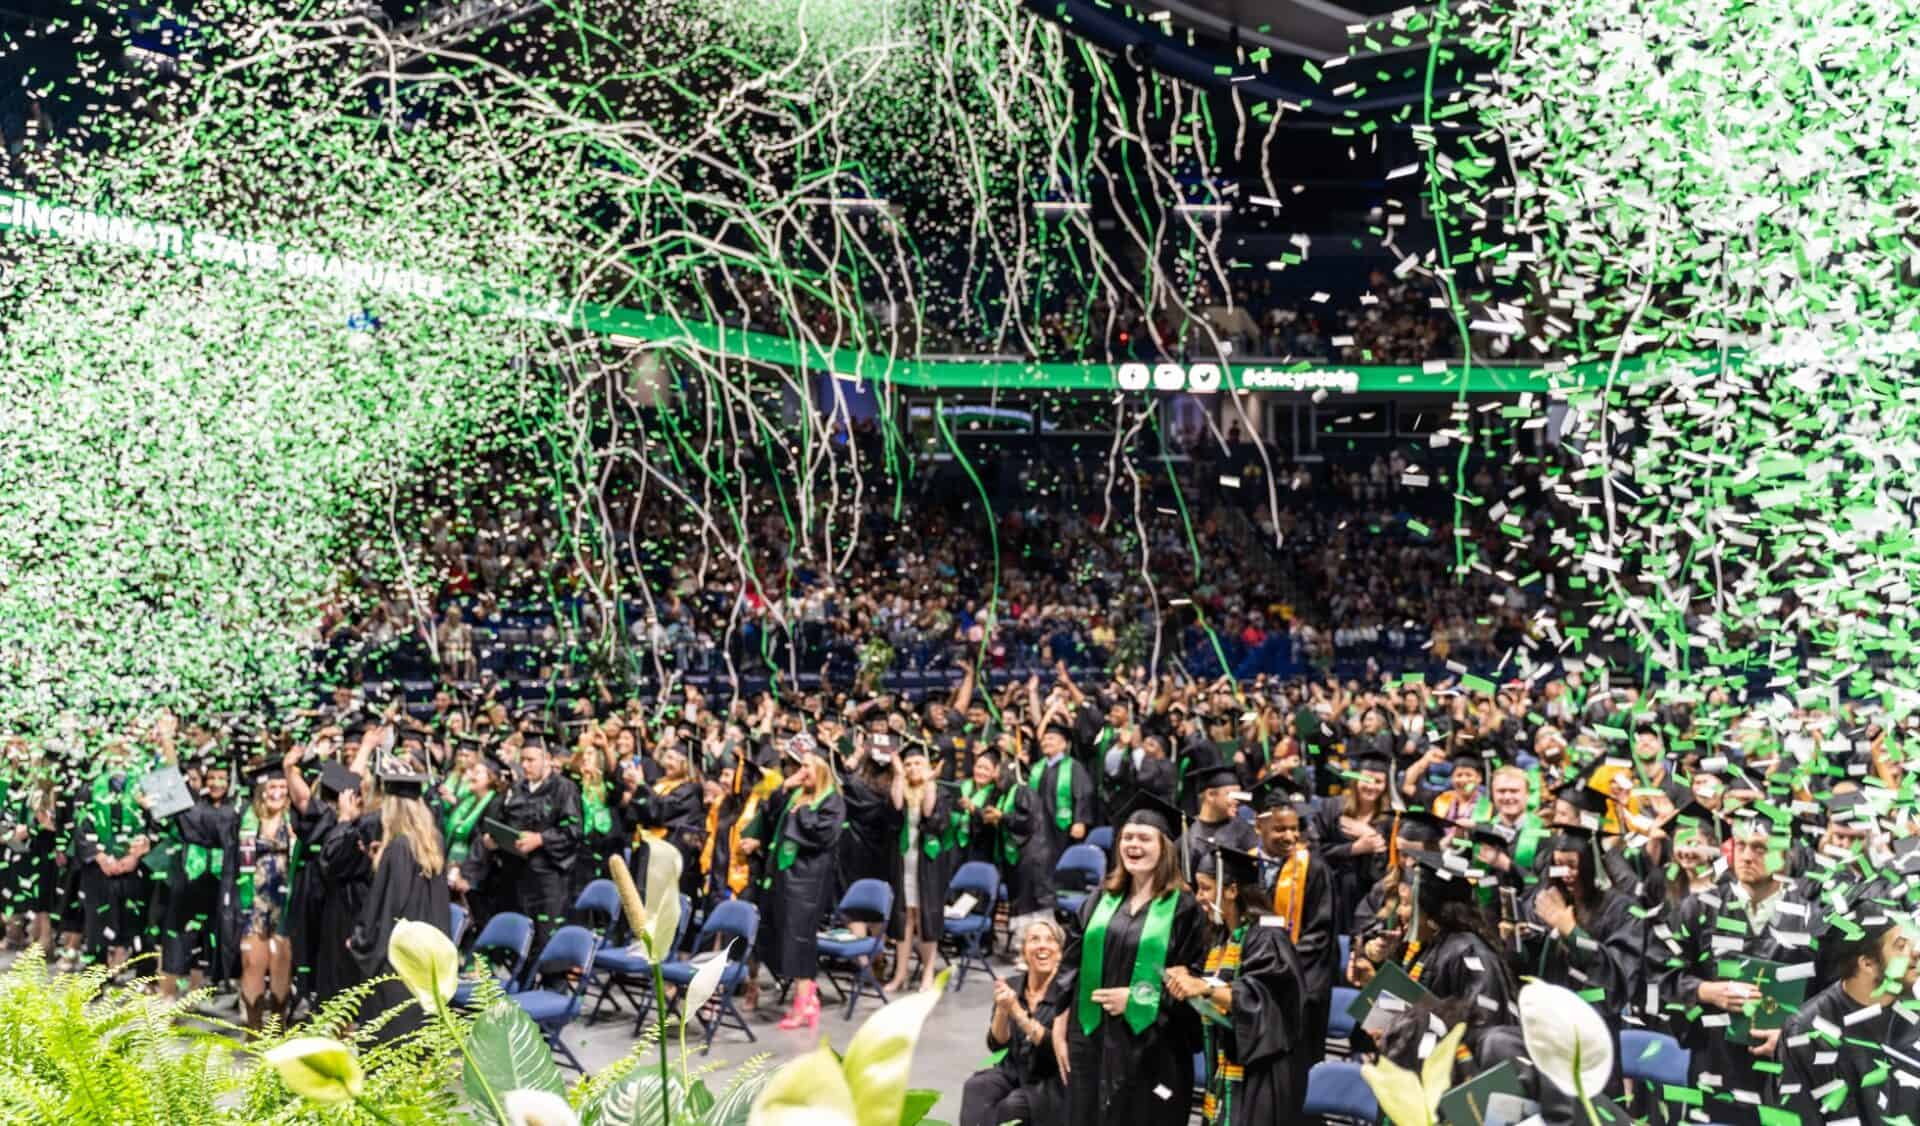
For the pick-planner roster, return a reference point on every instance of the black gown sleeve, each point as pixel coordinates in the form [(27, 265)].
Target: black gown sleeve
[(1267, 995), (374, 912), (563, 840)]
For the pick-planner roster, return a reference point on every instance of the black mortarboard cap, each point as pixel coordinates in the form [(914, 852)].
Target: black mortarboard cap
[(1147, 808), (336, 778), (1694, 818), (1493, 835), (1421, 827), (1238, 867), (1573, 838), (1371, 760), (1279, 792), (1851, 807)]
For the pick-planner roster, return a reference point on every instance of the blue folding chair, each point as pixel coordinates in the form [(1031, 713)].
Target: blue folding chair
[(1336, 1090), (1340, 1026), (569, 956), (597, 907), (969, 932), (620, 967), (456, 922), (731, 927), (1101, 837), (1653, 1057), (1078, 871), (867, 901), (503, 943)]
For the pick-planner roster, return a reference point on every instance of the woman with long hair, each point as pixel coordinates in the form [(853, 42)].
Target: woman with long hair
[(923, 857), (1352, 835), (265, 853), (1451, 948), (472, 873), (1259, 1071), (1125, 1045), (1022, 1084), (409, 882), (801, 822)]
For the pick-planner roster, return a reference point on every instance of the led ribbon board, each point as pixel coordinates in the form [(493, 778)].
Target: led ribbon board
[(41, 219)]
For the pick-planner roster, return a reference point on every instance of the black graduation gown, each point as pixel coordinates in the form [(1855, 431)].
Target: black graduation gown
[(682, 812), (307, 899), (1812, 1063), (1203, 835), (1605, 955), (1462, 967), (1023, 1083), (1046, 792), (1354, 874), (798, 897), (1714, 927), (933, 865), (400, 890), (1118, 1077), (346, 873), (208, 906), (1265, 1037), (542, 879), (1030, 881), (488, 891), (869, 849), (1318, 947)]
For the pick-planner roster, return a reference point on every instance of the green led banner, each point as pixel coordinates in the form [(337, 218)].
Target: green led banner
[(38, 218)]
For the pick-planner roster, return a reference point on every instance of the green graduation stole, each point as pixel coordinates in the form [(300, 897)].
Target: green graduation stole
[(112, 815), (243, 880), (786, 850), (1149, 961), (460, 825), (200, 859), (930, 842), (1062, 791), (963, 824), (1528, 842), (594, 811)]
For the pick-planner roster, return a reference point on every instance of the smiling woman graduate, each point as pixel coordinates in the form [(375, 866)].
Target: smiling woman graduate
[(1126, 1045)]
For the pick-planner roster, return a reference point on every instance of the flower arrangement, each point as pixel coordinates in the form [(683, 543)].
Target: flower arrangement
[(77, 1051)]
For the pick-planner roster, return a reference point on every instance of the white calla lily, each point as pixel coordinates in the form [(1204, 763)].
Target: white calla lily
[(810, 1091), (1567, 1039), (701, 989), (426, 960), (881, 1053), (662, 897), (531, 1107), (317, 1068)]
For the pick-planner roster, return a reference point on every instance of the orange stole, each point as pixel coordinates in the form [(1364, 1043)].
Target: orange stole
[(1290, 891), (737, 873)]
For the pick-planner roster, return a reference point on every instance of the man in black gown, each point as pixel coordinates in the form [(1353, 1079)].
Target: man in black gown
[(544, 808), (1216, 824), (1833, 1047)]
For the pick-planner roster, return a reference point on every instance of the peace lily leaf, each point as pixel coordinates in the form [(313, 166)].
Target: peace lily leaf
[(810, 1091), (880, 1054), (537, 1108), (633, 1100), (1436, 1071), (735, 1105), (700, 990), (1568, 1041), (1398, 1091), (509, 1051), (426, 961), (317, 1068)]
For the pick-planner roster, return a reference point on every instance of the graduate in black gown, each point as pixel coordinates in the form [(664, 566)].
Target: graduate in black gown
[(1849, 1054), (1127, 1043), (1021, 1082), (1258, 1069), (545, 808), (675, 810), (1587, 939), (867, 850), (409, 882), (346, 873), (1217, 822), (1452, 950), (923, 862), (1352, 835), (799, 826), (314, 817), (1300, 890)]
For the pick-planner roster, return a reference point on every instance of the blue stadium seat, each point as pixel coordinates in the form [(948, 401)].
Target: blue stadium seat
[(848, 962), (1078, 871), (982, 881), (1653, 1057), (732, 925), (1336, 1090)]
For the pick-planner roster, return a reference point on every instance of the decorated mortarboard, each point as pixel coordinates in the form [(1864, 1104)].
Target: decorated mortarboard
[(337, 779), (399, 778), (1208, 775), (798, 747), (1147, 808), (1237, 866)]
